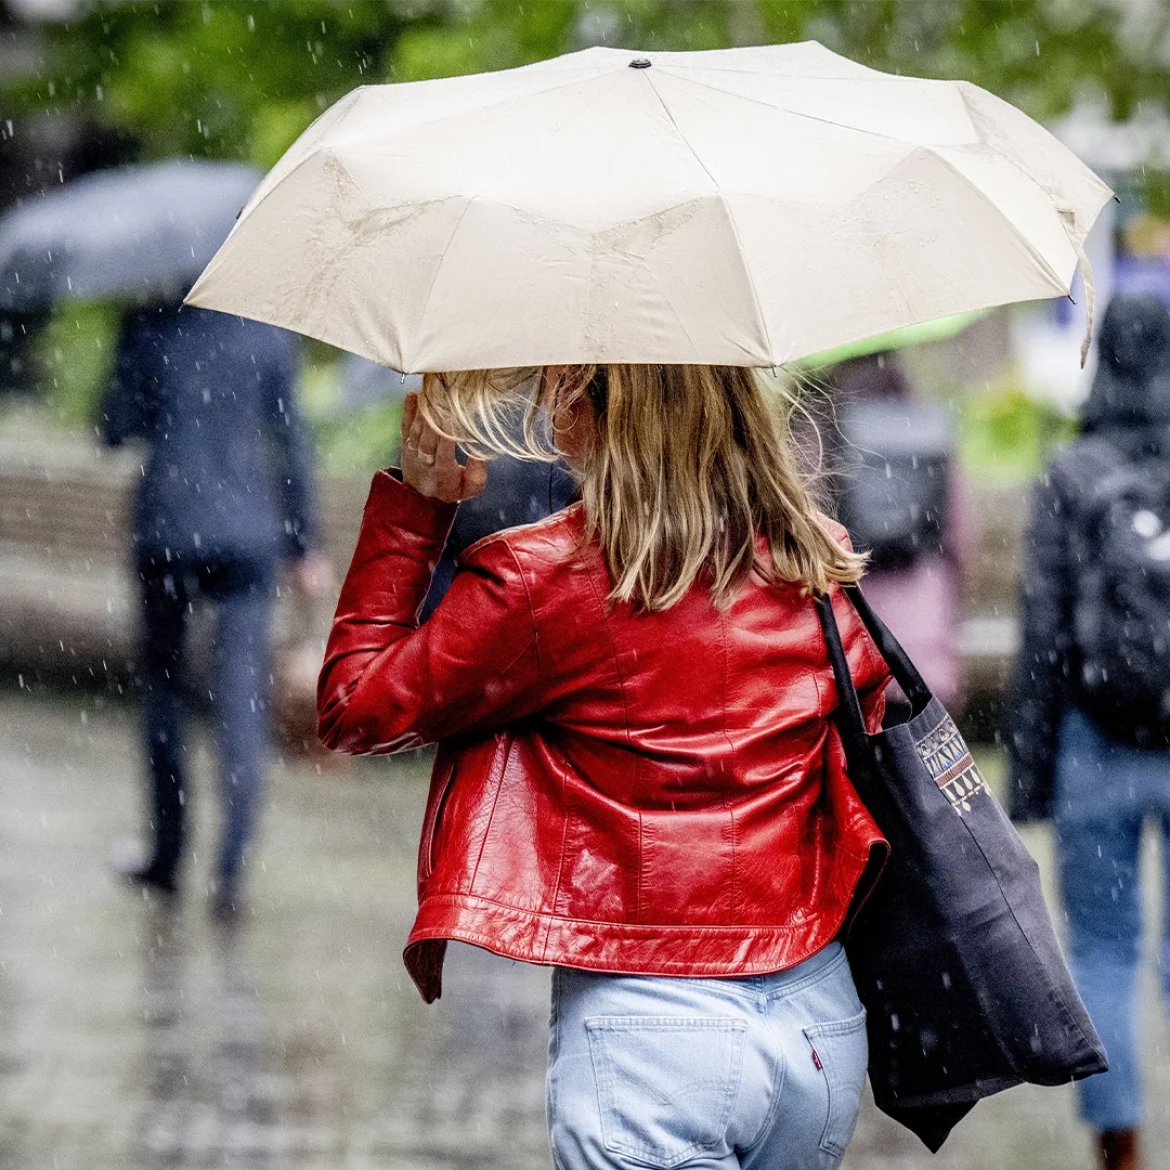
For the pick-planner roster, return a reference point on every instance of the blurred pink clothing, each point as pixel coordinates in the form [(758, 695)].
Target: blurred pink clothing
[(920, 605)]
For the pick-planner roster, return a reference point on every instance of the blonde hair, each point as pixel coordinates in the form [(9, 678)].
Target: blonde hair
[(687, 467)]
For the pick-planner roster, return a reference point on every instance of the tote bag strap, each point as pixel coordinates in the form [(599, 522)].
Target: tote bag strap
[(904, 671), (851, 719)]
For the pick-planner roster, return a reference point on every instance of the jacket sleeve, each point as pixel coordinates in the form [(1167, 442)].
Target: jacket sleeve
[(390, 684), (1043, 668)]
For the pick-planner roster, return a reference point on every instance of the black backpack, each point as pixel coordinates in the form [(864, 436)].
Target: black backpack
[(894, 477), (1122, 613)]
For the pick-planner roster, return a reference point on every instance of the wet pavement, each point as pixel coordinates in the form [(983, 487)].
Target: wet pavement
[(137, 1037)]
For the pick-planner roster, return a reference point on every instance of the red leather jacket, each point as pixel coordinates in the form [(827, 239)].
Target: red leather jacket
[(644, 793)]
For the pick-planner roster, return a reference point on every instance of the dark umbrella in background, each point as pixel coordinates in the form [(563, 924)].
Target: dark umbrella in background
[(142, 233)]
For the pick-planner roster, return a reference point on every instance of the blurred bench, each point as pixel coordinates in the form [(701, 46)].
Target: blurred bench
[(68, 607), (65, 598)]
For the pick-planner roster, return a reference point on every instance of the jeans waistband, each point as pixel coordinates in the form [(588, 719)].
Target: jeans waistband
[(791, 979)]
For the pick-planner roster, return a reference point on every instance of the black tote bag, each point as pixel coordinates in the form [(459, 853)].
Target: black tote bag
[(953, 952)]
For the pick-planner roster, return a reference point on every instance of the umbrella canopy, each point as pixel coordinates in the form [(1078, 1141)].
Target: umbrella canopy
[(746, 206), (143, 232)]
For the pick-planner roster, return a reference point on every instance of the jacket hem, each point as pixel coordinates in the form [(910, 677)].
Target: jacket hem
[(616, 948)]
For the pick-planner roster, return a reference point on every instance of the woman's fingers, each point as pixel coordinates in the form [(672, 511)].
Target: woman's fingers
[(474, 479), (429, 463), (447, 472), (428, 444), (409, 413)]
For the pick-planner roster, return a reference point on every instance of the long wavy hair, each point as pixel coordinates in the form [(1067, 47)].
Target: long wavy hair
[(686, 469)]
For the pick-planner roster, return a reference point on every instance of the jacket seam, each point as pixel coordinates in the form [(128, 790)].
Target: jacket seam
[(614, 657), (641, 867), (499, 783), (561, 867), (531, 608), (626, 727), (782, 927), (616, 929), (731, 758), (705, 928), (425, 732)]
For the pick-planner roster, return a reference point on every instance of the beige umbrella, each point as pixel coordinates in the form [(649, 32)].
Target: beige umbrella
[(743, 206)]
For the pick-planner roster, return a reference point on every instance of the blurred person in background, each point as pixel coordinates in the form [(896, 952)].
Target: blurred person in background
[(897, 490), (1088, 740), (226, 494)]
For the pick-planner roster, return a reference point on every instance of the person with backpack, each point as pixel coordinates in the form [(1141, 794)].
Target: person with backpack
[(896, 488), (1089, 741)]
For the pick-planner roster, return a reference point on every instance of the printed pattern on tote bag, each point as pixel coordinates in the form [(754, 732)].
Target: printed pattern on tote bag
[(951, 765)]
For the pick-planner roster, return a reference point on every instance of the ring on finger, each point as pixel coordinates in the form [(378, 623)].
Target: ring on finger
[(426, 458)]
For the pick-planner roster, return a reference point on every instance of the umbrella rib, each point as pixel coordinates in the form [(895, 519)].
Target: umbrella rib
[(1028, 245), (800, 114), (977, 116), (311, 156), (435, 275), (474, 196), (495, 104), (811, 117), (730, 218), (333, 146)]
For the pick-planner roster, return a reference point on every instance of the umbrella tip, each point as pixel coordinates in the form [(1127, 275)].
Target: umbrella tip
[(640, 63)]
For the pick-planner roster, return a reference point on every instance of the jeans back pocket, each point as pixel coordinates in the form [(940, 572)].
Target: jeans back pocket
[(666, 1085), (840, 1051)]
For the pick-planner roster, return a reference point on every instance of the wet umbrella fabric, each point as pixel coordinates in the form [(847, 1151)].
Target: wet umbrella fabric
[(142, 233), (744, 206)]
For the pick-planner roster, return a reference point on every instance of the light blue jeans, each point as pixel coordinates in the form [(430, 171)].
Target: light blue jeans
[(757, 1073), (1104, 793)]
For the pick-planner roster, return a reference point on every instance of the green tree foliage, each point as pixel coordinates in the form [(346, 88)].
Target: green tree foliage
[(235, 78), (215, 79)]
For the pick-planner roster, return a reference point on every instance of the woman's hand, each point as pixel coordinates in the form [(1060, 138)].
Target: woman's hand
[(429, 464)]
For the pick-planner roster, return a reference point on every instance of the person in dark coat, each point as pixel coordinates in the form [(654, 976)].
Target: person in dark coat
[(1066, 762), (226, 493), (518, 492)]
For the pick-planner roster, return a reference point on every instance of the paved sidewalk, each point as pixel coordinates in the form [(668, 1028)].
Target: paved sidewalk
[(134, 1039)]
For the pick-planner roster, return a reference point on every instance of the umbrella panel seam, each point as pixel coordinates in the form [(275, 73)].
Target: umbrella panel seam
[(762, 321), (908, 142), (1015, 231), (387, 135)]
